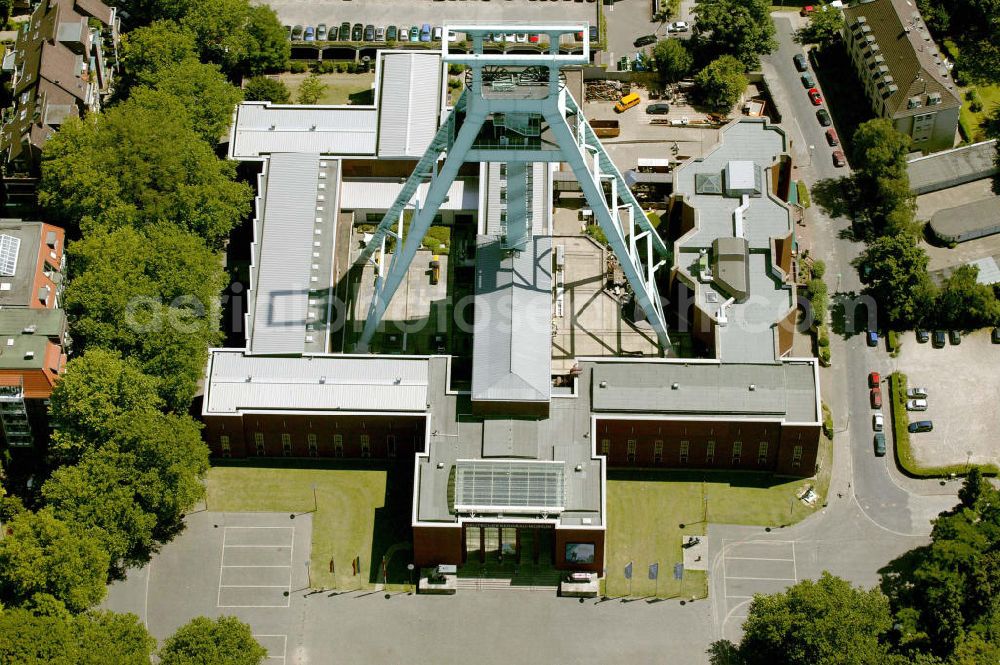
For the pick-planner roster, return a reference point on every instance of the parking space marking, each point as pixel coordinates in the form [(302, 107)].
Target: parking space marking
[(260, 565), (266, 638)]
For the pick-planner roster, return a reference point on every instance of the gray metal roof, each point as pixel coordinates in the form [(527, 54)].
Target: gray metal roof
[(281, 280), (22, 249), (409, 104), (952, 167), (509, 486), (369, 194), (262, 128), (970, 220), (512, 342), (239, 382), (785, 390)]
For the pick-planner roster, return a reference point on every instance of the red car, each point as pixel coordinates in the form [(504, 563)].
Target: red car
[(807, 10), (533, 38), (876, 398), (839, 160), (815, 97), (831, 137), (873, 380)]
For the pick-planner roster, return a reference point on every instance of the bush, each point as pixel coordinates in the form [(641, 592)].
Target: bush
[(595, 232), (803, 193), (455, 69), (976, 106), (824, 338), (298, 67), (824, 356), (264, 89), (352, 68), (817, 298), (454, 84), (818, 269), (894, 343), (827, 422)]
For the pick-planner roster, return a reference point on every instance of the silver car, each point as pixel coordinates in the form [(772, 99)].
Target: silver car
[(914, 393), (878, 422), (916, 405)]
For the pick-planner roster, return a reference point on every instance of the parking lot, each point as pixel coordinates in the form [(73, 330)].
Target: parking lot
[(434, 12), (754, 566), (962, 384)]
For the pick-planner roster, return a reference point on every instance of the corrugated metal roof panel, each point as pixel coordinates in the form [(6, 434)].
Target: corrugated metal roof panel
[(281, 288), (265, 129), (380, 194), (410, 103), (238, 382)]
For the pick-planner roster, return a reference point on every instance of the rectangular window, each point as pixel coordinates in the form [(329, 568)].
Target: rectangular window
[(737, 451), (338, 445), (366, 445), (390, 446), (605, 446), (259, 445), (710, 451), (313, 445), (658, 451), (685, 451), (796, 456), (630, 451), (258, 438), (224, 445), (762, 452)]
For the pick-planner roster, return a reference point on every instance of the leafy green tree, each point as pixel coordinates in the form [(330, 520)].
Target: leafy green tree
[(42, 554), (311, 90), (6, 6), (167, 317), (205, 93), (974, 26), (894, 270), (824, 28), (673, 60), (142, 12), (222, 641), (133, 489), (95, 392), (880, 178), (740, 28), (32, 637), (826, 621), (240, 38), (140, 164), (266, 89), (148, 50), (721, 83), (964, 303)]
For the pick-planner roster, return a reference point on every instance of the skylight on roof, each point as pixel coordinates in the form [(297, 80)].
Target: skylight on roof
[(9, 248)]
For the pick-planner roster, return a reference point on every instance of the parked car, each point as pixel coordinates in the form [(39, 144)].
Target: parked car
[(917, 393), (879, 442), (380, 34), (511, 37), (645, 40), (872, 338), (404, 34), (876, 398), (938, 341), (995, 336), (522, 38), (678, 26), (878, 422), (438, 34), (593, 33), (800, 61), (453, 36), (321, 32), (839, 160), (357, 32), (532, 38), (808, 81), (369, 33), (831, 137), (425, 32), (954, 337), (297, 32), (916, 405), (659, 108), (920, 426), (807, 10), (874, 379), (923, 336), (345, 32), (824, 117), (414, 34), (815, 97), (391, 33)]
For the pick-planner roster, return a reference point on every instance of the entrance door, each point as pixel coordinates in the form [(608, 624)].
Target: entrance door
[(472, 540), (491, 543)]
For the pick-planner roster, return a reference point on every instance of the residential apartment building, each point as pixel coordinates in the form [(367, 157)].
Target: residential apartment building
[(59, 69), (903, 74)]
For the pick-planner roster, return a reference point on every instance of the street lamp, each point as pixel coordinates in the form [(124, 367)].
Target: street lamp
[(811, 148), (410, 568), (308, 575)]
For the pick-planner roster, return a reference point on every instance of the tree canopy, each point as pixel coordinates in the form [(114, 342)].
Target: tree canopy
[(721, 83), (673, 59), (311, 89), (824, 28), (204, 641), (207, 96), (881, 181), (740, 28), (148, 50), (894, 270), (965, 304), (58, 638), (266, 89), (168, 316), (41, 554), (240, 38), (974, 26), (140, 164), (94, 393)]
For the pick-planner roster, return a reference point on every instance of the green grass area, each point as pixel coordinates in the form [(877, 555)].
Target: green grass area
[(901, 437), (802, 190), (351, 518), (437, 239), (340, 88), (988, 96), (646, 509)]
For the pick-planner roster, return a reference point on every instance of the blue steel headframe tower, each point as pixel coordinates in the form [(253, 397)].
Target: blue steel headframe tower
[(515, 109)]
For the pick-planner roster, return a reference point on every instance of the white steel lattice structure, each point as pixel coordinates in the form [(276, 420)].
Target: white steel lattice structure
[(515, 109)]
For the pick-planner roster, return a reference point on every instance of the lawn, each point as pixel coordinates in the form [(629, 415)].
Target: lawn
[(350, 516), (340, 88), (988, 95), (646, 509)]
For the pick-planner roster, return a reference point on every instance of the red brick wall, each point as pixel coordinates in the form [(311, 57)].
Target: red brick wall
[(406, 431), (646, 433), (438, 544), (594, 536)]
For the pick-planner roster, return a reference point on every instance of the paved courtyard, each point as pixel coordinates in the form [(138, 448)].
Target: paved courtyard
[(963, 383)]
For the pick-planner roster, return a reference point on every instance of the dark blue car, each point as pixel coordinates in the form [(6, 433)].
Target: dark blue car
[(872, 338), (425, 32)]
